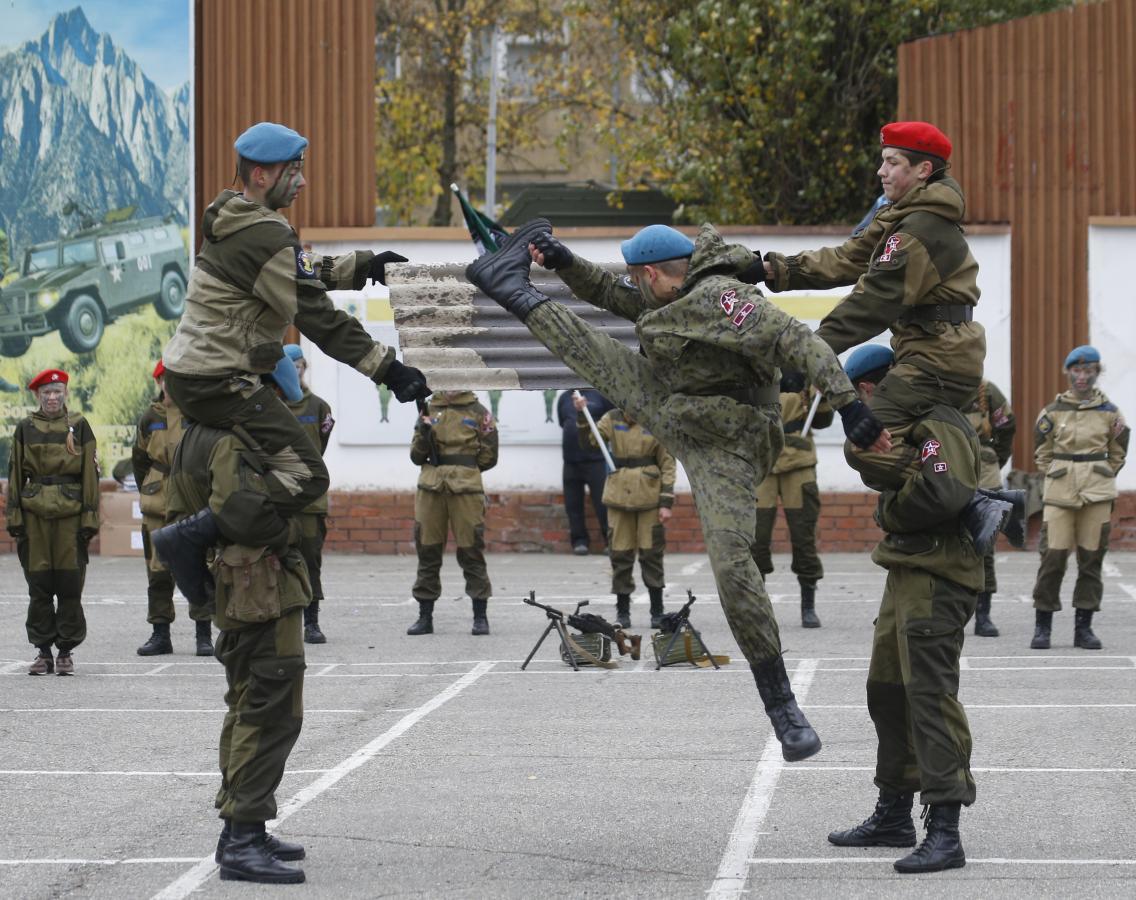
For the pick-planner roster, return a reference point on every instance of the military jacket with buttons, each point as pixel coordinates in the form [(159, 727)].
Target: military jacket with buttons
[(993, 420), (800, 452), (253, 279), (912, 254), (644, 473), (921, 520), (159, 431), (1080, 446), (314, 414), (719, 335), (460, 444), (48, 481)]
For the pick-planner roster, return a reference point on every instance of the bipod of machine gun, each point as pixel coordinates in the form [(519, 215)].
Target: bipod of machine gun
[(674, 624), (587, 623)]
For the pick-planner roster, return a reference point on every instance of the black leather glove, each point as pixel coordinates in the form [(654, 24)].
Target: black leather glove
[(860, 424), (792, 382), (556, 255), (407, 382), (377, 271), (755, 274), (86, 535)]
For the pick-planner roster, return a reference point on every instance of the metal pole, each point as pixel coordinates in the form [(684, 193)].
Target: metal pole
[(812, 414), (491, 130), (608, 461)]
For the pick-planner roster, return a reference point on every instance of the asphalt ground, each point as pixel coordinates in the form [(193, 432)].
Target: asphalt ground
[(434, 767)]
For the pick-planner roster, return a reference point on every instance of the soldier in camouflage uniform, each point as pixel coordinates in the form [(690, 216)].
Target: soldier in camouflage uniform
[(53, 513), (314, 414), (253, 279), (455, 440), (639, 496), (159, 431), (705, 384), (934, 576), (793, 479), (1081, 442), (993, 420)]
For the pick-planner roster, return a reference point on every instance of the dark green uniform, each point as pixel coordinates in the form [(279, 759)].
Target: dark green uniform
[(643, 481), (259, 603), (314, 415), (705, 385), (991, 416), (453, 452), (53, 512), (251, 281), (934, 576), (793, 479)]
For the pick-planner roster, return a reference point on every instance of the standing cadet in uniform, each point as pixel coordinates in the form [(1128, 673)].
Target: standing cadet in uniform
[(793, 479), (253, 279), (455, 440), (992, 418), (159, 431), (705, 384), (53, 513), (584, 466), (934, 576), (314, 413), (1081, 442), (639, 496)]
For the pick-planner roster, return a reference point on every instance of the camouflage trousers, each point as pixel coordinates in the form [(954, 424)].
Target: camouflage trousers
[(435, 513), (296, 474), (632, 533), (54, 561), (800, 498), (924, 741), (1087, 530), (725, 447), (264, 668), (313, 531), (160, 583)]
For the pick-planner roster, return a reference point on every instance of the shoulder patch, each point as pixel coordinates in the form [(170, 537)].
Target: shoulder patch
[(941, 467), (893, 256), (327, 424), (999, 417), (307, 263), (1044, 424), (488, 425), (737, 309), (1119, 425), (625, 281), (930, 448)]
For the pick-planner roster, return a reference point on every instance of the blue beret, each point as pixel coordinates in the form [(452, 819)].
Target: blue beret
[(656, 243), (1082, 355), (293, 352), (867, 358), (267, 142), (285, 377)]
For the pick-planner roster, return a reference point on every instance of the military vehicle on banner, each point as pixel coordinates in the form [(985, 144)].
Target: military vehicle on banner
[(80, 283)]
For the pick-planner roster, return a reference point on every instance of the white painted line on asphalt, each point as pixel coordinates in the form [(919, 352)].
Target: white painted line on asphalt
[(153, 860), (157, 669), (862, 708), (1110, 569), (973, 669), (964, 663), (140, 773), (1129, 589), (12, 667), (215, 711), (640, 599), (203, 871), (325, 670), (876, 860), (693, 568), (1043, 770), (733, 869)]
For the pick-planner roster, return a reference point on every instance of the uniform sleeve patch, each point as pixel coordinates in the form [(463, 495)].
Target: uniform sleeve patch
[(1119, 425), (1044, 424), (738, 310), (999, 417), (472, 423), (940, 467), (488, 425), (930, 448), (890, 248), (306, 263), (327, 424)]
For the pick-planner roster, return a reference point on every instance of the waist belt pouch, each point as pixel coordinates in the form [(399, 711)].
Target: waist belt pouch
[(599, 645), (687, 648), (248, 583), (52, 501)]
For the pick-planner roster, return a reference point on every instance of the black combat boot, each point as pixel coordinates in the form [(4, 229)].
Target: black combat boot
[(204, 638), (284, 850), (312, 633), (504, 276), (623, 610), (983, 627), (657, 611), (809, 617), (425, 623), (480, 619), (247, 856), (159, 642), (1083, 636), (1014, 525), (1043, 624), (984, 517), (798, 740), (941, 848), (181, 546), (889, 826)]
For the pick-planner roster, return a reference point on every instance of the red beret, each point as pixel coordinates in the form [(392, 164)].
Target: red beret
[(918, 137), (159, 370), (48, 376)]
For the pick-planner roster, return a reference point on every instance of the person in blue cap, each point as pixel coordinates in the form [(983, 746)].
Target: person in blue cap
[(1081, 442), (705, 384), (252, 280)]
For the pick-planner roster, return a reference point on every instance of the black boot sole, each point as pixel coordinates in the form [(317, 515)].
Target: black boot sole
[(922, 870), (875, 842), (142, 651), (296, 877)]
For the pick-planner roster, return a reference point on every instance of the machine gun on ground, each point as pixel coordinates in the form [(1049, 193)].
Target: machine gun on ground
[(694, 649), (587, 623)]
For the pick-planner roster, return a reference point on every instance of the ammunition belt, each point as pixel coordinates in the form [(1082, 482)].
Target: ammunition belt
[(445, 459), (55, 479), (955, 313), (1081, 457), (634, 462)]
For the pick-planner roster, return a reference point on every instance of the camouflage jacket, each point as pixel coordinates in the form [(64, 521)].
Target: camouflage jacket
[(913, 253), (921, 519), (800, 452), (159, 431), (47, 480), (314, 414), (464, 438), (1080, 446), (644, 473), (992, 418), (251, 281)]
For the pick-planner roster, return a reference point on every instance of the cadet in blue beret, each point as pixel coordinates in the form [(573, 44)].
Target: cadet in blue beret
[(656, 243), (867, 359), (1082, 356)]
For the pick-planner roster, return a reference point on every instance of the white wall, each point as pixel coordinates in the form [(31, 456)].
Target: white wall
[(367, 453)]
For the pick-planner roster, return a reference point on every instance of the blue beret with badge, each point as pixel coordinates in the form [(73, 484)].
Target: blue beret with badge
[(1082, 356), (656, 243), (285, 377), (268, 142), (867, 358)]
